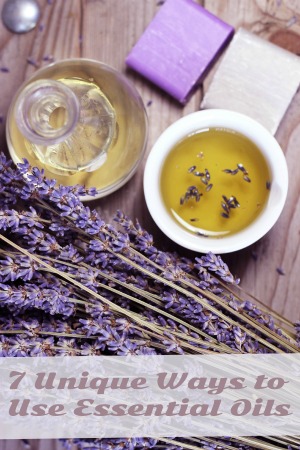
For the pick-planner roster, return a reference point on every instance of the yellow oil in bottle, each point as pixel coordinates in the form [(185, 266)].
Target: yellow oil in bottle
[(215, 182), (94, 84), (85, 149)]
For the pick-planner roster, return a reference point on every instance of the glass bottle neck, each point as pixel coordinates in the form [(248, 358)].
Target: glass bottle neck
[(47, 112)]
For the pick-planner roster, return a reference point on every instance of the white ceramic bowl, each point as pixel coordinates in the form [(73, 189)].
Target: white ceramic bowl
[(244, 125)]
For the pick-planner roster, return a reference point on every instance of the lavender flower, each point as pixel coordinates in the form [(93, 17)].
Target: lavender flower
[(120, 272), (215, 264), (52, 301)]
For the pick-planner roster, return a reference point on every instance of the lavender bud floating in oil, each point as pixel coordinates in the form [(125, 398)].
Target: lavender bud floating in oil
[(230, 203)]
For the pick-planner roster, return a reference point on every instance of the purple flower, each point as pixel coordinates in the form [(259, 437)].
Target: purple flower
[(88, 277), (36, 176), (23, 167), (64, 199), (127, 348), (49, 244), (215, 264), (120, 243), (52, 301), (71, 254), (35, 237), (172, 344), (127, 328), (46, 186), (7, 175), (67, 347), (88, 349), (43, 347), (92, 326), (31, 218), (19, 346), (8, 269), (4, 346)]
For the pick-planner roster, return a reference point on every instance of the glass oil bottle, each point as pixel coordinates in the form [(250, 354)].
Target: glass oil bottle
[(82, 122)]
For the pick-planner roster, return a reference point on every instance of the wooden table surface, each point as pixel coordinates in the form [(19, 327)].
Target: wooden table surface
[(106, 30)]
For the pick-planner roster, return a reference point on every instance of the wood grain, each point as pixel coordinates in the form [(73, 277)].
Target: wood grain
[(106, 30)]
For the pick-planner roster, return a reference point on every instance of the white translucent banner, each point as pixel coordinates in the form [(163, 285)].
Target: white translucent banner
[(218, 395)]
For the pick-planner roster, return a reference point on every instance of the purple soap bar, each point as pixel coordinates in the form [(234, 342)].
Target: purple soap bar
[(178, 46)]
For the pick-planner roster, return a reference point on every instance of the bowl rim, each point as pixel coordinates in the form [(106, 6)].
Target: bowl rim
[(224, 119)]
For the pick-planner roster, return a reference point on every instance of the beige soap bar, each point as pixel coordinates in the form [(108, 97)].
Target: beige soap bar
[(256, 78)]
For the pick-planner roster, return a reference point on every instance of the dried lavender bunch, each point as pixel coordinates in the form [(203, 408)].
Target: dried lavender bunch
[(70, 283)]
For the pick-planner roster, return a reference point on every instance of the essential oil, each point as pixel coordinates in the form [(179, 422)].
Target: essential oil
[(119, 133), (215, 182)]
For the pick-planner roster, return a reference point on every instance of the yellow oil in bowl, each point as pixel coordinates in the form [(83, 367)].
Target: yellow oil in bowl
[(215, 182)]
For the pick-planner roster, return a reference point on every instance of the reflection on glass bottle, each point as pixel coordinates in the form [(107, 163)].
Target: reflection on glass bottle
[(82, 122)]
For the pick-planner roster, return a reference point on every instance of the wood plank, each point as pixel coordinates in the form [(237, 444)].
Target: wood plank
[(257, 266)]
